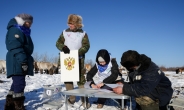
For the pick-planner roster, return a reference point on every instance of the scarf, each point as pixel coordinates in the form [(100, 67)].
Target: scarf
[(24, 29), (102, 68)]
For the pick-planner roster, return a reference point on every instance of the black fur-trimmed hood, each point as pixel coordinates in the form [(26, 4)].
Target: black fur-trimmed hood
[(145, 62)]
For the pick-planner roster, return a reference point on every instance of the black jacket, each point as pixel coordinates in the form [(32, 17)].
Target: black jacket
[(109, 80), (149, 81)]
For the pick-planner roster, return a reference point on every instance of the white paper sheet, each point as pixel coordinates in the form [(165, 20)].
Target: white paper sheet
[(105, 90), (86, 85), (114, 85), (69, 66)]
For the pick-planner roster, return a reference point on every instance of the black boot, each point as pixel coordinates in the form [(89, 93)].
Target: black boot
[(9, 105), (19, 103)]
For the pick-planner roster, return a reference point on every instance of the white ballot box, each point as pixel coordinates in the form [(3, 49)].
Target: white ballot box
[(69, 66), (53, 97)]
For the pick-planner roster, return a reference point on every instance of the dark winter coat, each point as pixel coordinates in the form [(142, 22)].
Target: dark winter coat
[(149, 81), (20, 47), (109, 80)]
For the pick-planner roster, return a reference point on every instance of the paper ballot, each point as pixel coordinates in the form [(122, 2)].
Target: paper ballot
[(114, 85), (107, 89), (69, 66), (86, 85)]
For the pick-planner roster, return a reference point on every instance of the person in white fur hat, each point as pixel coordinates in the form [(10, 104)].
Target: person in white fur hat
[(19, 61)]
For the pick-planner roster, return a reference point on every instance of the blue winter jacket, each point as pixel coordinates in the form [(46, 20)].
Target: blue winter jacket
[(20, 47)]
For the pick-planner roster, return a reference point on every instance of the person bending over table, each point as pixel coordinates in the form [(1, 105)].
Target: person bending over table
[(148, 84), (105, 71)]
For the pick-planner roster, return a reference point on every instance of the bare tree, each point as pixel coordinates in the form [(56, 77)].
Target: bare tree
[(36, 56), (55, 59), (89, 61), (44, 57), (163, 68)]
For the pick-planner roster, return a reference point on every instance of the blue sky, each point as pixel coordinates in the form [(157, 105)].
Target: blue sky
[(151, 27)]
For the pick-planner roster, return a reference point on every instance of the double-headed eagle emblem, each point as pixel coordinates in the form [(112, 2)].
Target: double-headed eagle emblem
[(69, 63)]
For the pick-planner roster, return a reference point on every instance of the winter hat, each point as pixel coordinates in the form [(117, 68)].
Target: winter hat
[(130, 58), (26, 17), (103, 55), (75, 20), (22, 18), (100, 59)]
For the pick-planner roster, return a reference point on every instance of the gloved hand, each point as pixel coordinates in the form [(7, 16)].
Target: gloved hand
[(66, 49), (24, 68)]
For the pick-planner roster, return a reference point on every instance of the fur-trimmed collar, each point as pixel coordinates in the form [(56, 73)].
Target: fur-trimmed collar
[(19, 20), (145, 63), (78, 30)]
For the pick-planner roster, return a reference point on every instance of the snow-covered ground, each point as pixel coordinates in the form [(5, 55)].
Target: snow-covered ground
[(35, 98)]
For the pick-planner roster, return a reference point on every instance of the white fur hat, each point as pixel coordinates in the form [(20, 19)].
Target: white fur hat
[(26, 17), (22, 18)]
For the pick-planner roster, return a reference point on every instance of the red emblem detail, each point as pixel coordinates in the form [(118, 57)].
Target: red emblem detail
[(68, 35)]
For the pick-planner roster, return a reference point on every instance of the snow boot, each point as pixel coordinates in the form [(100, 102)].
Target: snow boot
[(9, 105), (19, 103)]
